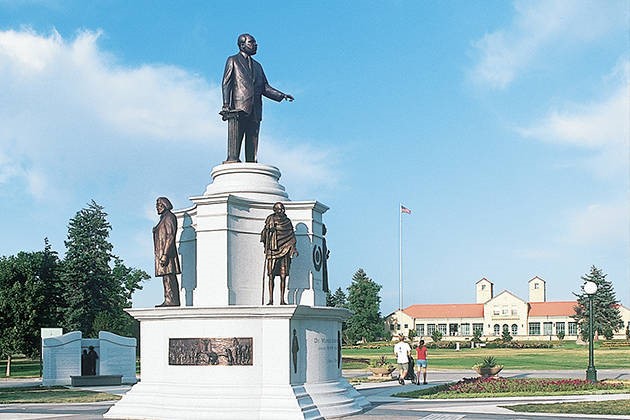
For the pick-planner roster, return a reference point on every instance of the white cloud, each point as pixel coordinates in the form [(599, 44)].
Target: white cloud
[(541, 24), (601, 223), (302, 164), (601, 126), (71, 113)]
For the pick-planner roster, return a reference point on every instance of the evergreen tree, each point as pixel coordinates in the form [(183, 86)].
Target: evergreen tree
[(93, 290), (336, 300), (606, 315), (364, 302), (27, 299), (53, 288)]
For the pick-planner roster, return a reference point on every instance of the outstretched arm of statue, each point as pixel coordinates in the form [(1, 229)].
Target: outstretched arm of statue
[(288, 97)]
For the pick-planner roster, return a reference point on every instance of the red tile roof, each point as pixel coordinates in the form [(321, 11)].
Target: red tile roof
[(447, 310), (552, 308)]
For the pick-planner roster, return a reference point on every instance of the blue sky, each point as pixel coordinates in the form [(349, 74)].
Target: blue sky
[(503, 126)]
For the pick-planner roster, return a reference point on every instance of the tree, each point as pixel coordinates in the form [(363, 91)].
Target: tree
[(477, 333), (436, 336), (92, 288), (364, 302), (506, 337), (27, 301), (412, 333), (606, 315), (336, 300)]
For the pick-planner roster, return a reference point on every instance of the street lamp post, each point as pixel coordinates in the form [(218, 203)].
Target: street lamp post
[(591, 374)]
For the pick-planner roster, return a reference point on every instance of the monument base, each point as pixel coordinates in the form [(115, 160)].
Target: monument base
[(240, 362)]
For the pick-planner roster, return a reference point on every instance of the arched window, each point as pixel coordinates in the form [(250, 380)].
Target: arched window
[(514, 329), (497, 329), (505, 328)]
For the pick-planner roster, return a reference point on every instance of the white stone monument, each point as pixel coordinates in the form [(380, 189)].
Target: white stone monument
[(117, 356), (223, 354), (61, 358)]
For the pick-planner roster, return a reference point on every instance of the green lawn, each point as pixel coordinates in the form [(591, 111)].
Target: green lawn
[(614, 407), (565, 356), (21, 395), (21, 368)]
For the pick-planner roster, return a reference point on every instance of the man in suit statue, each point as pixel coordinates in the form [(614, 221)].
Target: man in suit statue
[(166, 259), (244, 85)]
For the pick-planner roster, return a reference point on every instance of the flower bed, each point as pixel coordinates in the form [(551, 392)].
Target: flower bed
[(504, 385), (501, 387)]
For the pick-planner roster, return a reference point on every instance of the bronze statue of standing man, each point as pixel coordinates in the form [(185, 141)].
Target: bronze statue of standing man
[(279, 241), (244, 85), (166, 259)]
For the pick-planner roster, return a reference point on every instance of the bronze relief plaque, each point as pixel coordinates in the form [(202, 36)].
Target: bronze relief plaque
[(234, 351)]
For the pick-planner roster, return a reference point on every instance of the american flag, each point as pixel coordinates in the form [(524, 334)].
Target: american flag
[(404, 209)]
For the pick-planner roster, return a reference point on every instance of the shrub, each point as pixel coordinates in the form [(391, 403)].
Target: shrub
[(560, 335), (499, 344), (608, 333), (436, 336)]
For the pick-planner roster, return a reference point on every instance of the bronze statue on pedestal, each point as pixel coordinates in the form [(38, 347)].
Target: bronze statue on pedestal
[(166, 259), (279, 241), (244, 85)]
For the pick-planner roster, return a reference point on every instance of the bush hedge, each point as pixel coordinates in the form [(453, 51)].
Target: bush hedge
[(497, 344)]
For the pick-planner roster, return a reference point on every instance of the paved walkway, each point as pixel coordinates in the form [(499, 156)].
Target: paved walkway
[(385, 407)]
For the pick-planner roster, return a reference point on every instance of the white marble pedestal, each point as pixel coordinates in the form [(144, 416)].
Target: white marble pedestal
[(295, 370), (293, 367)]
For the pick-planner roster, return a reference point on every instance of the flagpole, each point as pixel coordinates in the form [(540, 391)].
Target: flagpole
[(400, 299)]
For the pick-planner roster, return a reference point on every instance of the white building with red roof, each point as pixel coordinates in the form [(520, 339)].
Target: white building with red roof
[(535, 319)]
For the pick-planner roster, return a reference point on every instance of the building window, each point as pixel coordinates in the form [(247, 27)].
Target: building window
[(572, 328), (534, 328), (398, 326), (453, 329), (505, 328), (496, 310), (504, 311), (478, 327), (406, 326), (392, 327), (514, 329), (547, 328), (419, 330), (483, 287), (442, 328), (465, 329), (430, 329), (560, 327), (536, 285), (497, 329), (514, 311)]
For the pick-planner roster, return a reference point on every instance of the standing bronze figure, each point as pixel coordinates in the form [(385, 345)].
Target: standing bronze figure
[(325, 256), (279, 241), (244, 85), (166, 259)]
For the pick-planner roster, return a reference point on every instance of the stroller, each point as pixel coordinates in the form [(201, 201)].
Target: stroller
[(411, 373)]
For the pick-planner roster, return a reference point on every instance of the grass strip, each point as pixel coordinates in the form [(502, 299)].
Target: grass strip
[(51, 395), (611, 407)]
